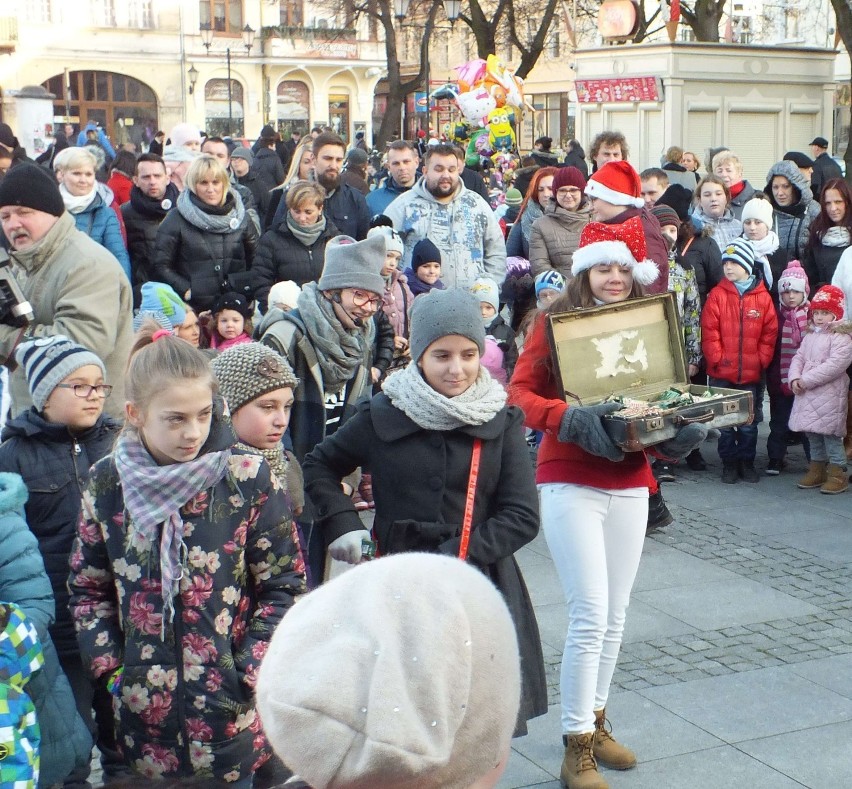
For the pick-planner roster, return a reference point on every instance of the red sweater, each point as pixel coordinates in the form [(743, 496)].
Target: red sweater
[(535, 390), (738, 333)]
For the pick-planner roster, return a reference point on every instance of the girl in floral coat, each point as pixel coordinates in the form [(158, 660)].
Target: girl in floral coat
[(183, 565)]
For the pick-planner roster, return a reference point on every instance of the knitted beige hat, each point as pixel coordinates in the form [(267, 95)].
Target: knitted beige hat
[(402, 673), (247, 371)]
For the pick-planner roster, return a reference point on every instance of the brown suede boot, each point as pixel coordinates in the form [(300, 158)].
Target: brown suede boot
[(847, 441), (579, 768), (836, 482), (608, 751), (815, 476)]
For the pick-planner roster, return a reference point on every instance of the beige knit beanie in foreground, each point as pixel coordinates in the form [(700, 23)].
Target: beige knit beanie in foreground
[(402, 673)]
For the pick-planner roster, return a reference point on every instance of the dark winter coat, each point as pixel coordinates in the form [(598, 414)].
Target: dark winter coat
[(576, 157), (259, 195), (346, 208), (379, 199), (825, 168), (792, 222), (207, 263), (505, 517), (99, 222), (267, 169), (241, 575), (738, 333), (142, 218), (502, 332), (545, 158), (281, 256), (473, 181), (55, 468), (820, 263), (65, 740), (356, 178), (704, 257), (285, 333)]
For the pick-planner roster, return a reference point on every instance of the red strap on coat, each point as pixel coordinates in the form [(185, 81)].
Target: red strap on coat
[(471, 495)]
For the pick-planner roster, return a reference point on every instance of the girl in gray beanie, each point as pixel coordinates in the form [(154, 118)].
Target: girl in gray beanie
[(446, 417)]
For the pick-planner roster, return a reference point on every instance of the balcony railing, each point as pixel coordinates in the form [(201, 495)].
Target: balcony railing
[(301, 32)]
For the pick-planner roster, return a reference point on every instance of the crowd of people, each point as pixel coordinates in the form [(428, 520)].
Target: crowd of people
[(234, 353)]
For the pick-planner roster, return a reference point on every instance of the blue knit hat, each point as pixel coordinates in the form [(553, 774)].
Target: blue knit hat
[(160, 302), (549, 280), (740, 251)]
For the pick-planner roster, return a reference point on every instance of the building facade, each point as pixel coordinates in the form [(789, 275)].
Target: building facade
[(136, 66)]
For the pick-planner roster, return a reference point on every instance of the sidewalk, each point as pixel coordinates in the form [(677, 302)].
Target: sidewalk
[(736, 668)]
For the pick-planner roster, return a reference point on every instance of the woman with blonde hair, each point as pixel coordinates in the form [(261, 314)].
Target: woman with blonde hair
[(301, 169), (92, 204), (206, 247), (728, 167)]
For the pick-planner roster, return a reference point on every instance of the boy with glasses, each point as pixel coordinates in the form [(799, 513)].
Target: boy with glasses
[(52, 445)]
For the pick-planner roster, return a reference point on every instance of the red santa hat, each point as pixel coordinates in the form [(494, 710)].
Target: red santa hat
[(622, 245), (617, 183), (829, 298)]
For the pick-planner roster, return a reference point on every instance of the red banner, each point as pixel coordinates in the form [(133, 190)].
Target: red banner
[(590, 91)]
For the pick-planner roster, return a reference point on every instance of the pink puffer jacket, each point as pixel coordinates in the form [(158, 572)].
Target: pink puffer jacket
[(821, 363)]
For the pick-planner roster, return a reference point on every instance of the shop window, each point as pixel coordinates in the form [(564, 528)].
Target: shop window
[(294, 107), (338, 114), (223, 109), (223, 16)]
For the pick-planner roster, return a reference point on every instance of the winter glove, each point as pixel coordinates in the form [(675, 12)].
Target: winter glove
[(686, 439), (581, 425), (347, 547)]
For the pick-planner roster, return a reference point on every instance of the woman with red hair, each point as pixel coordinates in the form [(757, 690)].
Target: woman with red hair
[(537, 196)]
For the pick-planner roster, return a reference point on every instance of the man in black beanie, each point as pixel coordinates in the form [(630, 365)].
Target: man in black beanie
[(82, 291)]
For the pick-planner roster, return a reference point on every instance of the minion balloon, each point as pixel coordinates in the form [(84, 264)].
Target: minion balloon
[(501, 135)]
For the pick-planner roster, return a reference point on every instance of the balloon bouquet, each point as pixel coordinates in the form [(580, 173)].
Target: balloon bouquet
[(490, 99)]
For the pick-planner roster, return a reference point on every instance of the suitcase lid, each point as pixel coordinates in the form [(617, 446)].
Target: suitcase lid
[(633, 348)]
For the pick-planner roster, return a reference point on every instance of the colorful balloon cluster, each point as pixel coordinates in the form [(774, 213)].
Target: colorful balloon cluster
[(484, 86)]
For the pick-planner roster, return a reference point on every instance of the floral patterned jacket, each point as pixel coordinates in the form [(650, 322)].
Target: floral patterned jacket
[(682, 283), (185, 704)]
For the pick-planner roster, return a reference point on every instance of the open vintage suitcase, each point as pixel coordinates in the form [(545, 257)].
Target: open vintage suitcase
[(635, 349)]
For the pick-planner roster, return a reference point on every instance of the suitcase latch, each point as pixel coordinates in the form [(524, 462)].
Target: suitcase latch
[(730, 407), (654, 423)]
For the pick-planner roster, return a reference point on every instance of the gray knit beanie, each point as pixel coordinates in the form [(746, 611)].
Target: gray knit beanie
[(247, 371), (48, 360), (439, 313), (354, 264), (404, 689)]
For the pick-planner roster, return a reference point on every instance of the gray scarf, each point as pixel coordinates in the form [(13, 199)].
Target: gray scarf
[(307, 235), (340, 351), (212, 223), (409, 392), (835, 237)]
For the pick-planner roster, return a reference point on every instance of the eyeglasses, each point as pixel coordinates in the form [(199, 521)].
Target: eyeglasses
[(85, 390), (360, 299)]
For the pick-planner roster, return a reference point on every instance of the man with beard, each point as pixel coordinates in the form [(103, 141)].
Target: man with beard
[(457, 220), (345, 206), (151, 198)]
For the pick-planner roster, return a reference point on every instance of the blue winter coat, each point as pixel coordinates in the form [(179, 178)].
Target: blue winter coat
[(65, 740), (379, 199), (102, 138), (55, 468), (99, 222)]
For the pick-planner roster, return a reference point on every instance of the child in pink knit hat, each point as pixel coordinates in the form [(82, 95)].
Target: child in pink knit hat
[(793, 291)]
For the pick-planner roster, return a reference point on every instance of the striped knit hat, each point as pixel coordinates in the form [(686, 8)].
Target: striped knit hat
[(47, 361)]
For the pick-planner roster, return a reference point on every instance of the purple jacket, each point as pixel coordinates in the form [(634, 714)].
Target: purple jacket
[(821, 363), (396, 303)]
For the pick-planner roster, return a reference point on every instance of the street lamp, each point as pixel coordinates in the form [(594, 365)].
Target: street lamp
[(193, 78), (206, 31), (452, 8)]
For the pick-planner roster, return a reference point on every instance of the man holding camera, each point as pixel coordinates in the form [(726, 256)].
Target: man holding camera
[(74, 285)]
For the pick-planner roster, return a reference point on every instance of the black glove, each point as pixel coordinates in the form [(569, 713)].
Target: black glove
[(581, 425), (411, 535), (686, 439)]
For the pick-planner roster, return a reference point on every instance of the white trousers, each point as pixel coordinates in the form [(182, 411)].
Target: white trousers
[(595, 539)]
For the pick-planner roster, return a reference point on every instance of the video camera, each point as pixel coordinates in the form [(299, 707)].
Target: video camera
[(15, 310)]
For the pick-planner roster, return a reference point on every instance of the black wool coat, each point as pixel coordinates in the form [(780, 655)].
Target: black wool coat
[(281, 256), (55, 468), (422, 475)]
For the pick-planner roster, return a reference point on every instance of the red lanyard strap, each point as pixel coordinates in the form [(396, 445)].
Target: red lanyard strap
[(471, 495)]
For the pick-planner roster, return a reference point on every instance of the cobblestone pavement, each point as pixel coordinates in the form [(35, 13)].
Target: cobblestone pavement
[(738, 646)]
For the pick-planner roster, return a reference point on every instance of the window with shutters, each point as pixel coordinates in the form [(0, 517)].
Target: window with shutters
[(753, 136)]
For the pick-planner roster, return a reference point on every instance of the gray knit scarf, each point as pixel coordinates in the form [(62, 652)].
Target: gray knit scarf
[(212, 223), (155, 494), (340, 351), (306, 234), (409, 392)]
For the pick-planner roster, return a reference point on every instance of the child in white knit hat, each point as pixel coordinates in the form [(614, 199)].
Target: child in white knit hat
[(402, 689), (757, 230)]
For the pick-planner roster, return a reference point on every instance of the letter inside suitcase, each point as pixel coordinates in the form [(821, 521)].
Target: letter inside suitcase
[(634, 349)]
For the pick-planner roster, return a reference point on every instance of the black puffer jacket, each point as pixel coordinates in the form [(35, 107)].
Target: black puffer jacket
[(280, 256), (705, 259), (55, 468), (820, 263), (191, 257)]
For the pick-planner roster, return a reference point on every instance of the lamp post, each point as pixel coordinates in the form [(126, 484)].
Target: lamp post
[(193, 78), (248, 41)]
